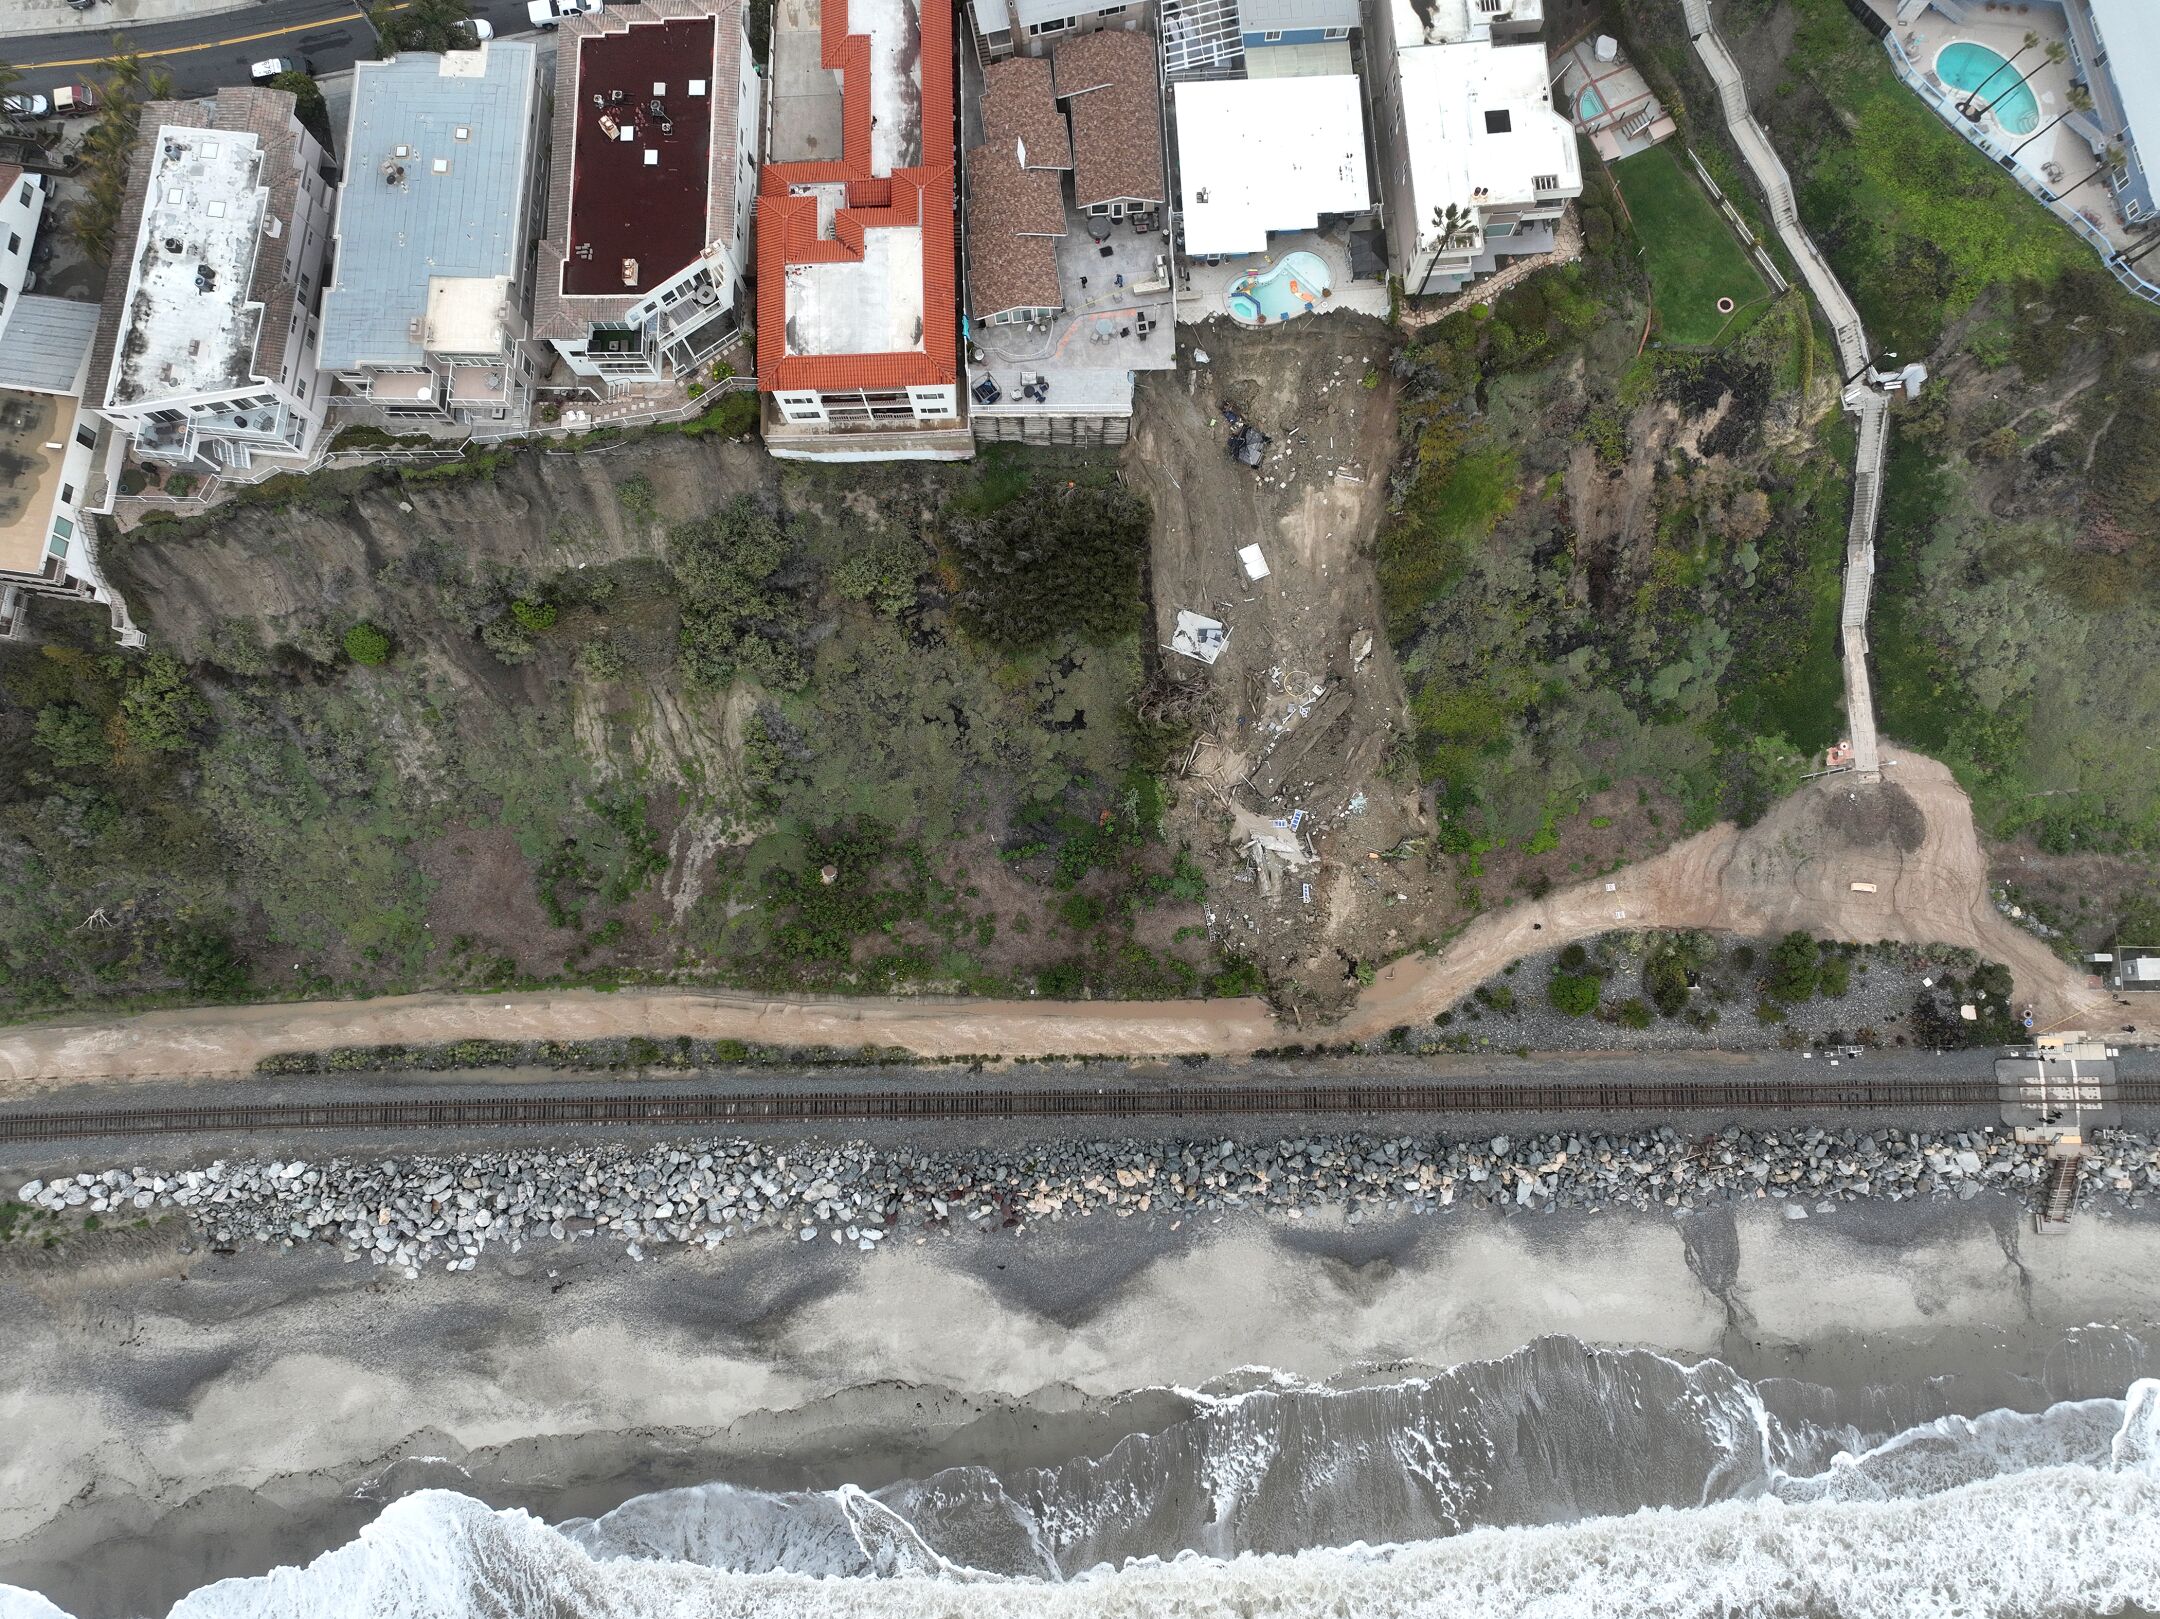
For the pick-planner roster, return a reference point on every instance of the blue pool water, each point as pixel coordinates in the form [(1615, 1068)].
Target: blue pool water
[(1589, 104), (1296, 286), (1966, 66)]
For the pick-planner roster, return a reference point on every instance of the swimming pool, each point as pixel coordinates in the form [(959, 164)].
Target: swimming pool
[(1589, 105), (1296, 286), (1967, 66)]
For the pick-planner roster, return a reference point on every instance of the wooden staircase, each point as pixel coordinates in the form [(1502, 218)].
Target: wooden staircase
[(2059, 1201)]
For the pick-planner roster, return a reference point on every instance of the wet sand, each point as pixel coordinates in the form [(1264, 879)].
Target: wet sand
[(266, 1406)]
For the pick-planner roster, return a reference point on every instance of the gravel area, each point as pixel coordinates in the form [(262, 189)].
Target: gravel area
[(429, 1210), (1514, 1009)]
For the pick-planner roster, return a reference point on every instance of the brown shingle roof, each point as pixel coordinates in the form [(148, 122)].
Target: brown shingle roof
[(1107, 78), (1015, 216), (1018, 106)]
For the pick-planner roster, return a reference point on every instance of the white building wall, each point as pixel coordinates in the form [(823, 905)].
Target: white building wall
[(20, 211)]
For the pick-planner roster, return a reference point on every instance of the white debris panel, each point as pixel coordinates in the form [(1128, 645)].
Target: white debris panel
[(1198, 636)]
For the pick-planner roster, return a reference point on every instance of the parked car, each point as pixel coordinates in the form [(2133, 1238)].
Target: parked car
[(25, 106), (480, 28), (69, 100), (271, 66), (548, 13)]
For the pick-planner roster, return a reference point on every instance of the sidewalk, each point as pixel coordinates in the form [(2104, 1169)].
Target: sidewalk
[(19, 17)]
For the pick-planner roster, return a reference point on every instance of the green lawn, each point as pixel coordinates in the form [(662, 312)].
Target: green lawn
[(1691, 253)]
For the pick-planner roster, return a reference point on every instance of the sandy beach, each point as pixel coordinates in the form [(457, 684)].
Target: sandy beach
[(192, 1416)]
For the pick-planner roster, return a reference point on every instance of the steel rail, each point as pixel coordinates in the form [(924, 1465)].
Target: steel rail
[(924, 1104)]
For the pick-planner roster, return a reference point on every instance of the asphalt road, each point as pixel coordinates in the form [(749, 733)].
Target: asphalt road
[(202, 53)]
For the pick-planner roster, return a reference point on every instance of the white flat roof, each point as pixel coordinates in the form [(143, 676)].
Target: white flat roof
[(188, 327), (1256, 155), (869, 306), (1480, 116)]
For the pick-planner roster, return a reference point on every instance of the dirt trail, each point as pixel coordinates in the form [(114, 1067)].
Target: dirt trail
[(1913, 837), (227, 1042)]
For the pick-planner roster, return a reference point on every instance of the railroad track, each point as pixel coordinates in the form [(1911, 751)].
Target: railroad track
[(922, 1104)]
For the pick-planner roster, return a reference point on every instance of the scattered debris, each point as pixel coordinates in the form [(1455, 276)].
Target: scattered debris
[(1255, 564), (1198, 636)]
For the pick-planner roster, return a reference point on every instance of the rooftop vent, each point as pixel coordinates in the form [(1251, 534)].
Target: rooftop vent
[(205, 278), (463, 132), (441, 165), (175, 246)]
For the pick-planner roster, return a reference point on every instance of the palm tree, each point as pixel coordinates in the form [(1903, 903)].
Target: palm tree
[(2055, 52), (1965, 106), (424, 25), (2110, 160), (10, 76), (2080, 100), (2132, 258)]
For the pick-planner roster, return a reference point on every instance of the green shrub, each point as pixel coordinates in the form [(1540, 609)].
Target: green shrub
[(601, 659), (1632, 1013), (1575, 994), (1794, 967), (1061, 560), (733, 415), (1081, 911), (534, 615), (180, 484), (367, 643), (1834, 977)]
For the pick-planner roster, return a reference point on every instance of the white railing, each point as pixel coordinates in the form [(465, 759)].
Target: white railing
[(1865, 400)]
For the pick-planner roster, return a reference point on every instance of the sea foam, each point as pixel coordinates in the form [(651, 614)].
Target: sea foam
[(1232, 1512)]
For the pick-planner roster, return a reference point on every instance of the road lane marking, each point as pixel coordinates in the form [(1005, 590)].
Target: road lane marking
[(218, 44)]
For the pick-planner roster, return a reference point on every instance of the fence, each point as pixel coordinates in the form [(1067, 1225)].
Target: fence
[(333, 460)]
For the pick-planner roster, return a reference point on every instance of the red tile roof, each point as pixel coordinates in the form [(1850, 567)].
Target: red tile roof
[(918, 196)]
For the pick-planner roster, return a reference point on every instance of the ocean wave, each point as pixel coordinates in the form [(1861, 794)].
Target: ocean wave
[(2060, 1541), (1557, 1481)]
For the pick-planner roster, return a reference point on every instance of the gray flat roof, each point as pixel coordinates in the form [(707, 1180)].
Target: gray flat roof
[(45, 342), (1263, 16), (437, 159)]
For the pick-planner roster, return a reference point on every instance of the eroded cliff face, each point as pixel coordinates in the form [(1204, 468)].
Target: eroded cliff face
[(373, 545)]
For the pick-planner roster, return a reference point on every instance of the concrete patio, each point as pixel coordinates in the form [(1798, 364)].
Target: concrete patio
[(1611, 102)]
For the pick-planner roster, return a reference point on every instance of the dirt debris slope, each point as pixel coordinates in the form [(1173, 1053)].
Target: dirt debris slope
[(1305, 702)]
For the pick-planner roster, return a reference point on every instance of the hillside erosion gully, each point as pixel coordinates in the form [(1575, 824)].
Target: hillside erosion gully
[(1912, 838)]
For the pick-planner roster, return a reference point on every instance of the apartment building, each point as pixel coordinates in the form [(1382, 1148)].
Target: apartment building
[(1065, 305), (1032, 27), (644, 268), (1476, 163), (424, 323), (206, 350), (857, 328), (57, 459), (23, 198)]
